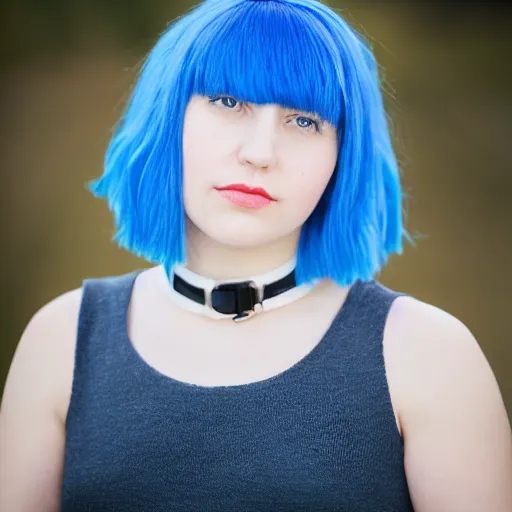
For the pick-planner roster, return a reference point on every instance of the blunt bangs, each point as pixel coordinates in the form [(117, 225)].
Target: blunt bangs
[(269, 53), (298, 54)]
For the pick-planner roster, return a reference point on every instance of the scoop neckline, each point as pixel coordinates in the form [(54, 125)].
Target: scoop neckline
[(286, 374)]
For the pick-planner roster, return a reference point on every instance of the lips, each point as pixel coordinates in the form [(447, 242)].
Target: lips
[(245, 196), (239, 187)]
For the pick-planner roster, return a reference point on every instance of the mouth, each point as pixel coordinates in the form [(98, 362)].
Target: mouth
[(245, 196)]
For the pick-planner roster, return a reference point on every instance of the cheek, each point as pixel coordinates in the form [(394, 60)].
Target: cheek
[(203, 155), (313, 171), (193, 163), (196, 149), (206, 150)]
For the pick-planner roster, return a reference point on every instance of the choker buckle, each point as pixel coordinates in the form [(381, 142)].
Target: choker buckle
[(244, 297), (241, 317)]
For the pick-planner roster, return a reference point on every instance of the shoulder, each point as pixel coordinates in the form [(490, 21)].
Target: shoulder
[(32, 433), (451, 411), (49, 340), (432, 358), (450, 407), (52, 323), (63, 309), (420, 328), (46, 349)]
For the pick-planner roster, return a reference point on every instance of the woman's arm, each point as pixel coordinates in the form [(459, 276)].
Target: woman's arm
[(458, 442), (32, 433)]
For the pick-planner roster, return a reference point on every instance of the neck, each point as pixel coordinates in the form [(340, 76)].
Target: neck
[(223, 263)]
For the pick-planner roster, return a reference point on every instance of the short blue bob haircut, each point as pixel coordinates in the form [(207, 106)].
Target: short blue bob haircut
[(299, 54)]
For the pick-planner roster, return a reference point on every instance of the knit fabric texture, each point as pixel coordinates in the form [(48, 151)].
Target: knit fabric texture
[(320, 436)]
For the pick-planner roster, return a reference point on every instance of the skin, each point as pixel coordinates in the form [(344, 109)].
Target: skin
[(266, 146), (448, 407)]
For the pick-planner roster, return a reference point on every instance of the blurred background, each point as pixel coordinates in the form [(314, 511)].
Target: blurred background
[(67, 70)]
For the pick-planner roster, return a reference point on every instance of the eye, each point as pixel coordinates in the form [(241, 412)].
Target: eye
[(226, 101), (307, 123)]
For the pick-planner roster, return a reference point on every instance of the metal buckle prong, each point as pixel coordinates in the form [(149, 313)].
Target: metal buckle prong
[(257, 308)]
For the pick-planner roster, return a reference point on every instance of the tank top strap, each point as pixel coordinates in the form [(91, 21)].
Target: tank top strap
[(378, 299), (368, 306), (101, 326), (104, 307), (360, 325)]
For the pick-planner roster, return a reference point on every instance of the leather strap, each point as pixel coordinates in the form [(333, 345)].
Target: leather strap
[(237, 298)]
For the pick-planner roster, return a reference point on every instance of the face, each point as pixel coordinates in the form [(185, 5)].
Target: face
[(252, 174)]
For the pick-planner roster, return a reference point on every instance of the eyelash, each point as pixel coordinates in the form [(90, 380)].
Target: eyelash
[(316, 124)]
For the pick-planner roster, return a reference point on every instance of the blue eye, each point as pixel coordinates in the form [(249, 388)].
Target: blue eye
[(227, 101), (307, 123)]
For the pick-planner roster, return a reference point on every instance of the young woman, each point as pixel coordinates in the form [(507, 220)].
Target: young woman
[(258, 365)]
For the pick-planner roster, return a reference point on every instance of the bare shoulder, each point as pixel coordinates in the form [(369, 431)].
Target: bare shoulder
[(48, 345), (431, 349), (451, 411), (62, 310), (34, 403)]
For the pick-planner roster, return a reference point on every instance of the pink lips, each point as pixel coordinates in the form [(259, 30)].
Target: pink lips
[(247, 197)]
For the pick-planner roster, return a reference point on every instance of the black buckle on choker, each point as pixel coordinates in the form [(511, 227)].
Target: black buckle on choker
[(242, 298)]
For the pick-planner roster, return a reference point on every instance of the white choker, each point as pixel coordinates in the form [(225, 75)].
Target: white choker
[(238, 299)]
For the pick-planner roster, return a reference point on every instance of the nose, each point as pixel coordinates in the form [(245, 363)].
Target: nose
[(258, 148)]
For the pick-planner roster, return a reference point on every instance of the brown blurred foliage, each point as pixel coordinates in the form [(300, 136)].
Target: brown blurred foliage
[(67, 70)]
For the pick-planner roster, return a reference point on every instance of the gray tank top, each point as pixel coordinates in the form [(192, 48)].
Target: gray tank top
[(320, 436)]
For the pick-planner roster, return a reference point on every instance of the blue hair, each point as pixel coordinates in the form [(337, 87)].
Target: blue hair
[(295, 53)]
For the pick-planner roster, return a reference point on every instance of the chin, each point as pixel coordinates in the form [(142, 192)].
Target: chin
[(234, 231), (240, 238)]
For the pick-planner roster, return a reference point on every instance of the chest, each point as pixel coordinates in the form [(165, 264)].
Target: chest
[(223, 353), (295, 445), (228, 354), (314, 431)]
